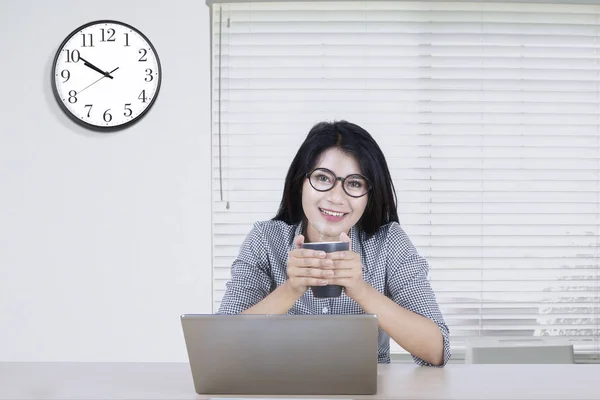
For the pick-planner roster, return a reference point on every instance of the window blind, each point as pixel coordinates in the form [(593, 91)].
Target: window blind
[(488, 114)]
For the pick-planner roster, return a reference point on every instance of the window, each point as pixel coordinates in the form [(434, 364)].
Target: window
[(489, 116)]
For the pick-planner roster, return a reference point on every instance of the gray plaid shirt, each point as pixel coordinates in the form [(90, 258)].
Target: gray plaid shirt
[(390, 262)]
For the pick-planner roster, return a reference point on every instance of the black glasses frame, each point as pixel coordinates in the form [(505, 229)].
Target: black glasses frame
[(338, 178)]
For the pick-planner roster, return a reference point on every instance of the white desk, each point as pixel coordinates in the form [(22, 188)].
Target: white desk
[(129, 381)]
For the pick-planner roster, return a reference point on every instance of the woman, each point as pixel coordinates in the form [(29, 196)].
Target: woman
[(339, 188)]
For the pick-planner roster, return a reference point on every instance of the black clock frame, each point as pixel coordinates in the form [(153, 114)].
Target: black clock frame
[(82, 122)]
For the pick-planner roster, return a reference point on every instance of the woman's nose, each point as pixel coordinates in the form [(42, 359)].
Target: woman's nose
[(337, 194)]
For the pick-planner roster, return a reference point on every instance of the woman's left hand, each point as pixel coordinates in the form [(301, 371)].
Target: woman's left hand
[(347, 269)]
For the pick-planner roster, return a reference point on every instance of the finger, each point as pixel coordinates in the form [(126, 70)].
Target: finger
[(314, 262), (341, 274), (342, 255), (313, 253), (342, 265), (298, 241), (314, 273), (308, 253), (307, 281), (314, 282), (327, 264), (340, 281), (297, 261)]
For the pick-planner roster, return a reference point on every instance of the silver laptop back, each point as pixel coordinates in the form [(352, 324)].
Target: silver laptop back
[(282, 354)]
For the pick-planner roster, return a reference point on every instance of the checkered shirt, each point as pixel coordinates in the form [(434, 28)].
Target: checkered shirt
[(390, 262)]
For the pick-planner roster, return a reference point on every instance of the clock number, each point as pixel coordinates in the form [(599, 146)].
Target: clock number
[(149, 76), (111, 32), (126, 39), (83, 35), (72, 97), (90, 110), (107, 116), (128, 112), (68, 75), (72, 56), (142, 96), (143, 57)]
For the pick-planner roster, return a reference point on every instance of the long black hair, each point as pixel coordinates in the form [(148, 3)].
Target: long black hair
[(353, 141)]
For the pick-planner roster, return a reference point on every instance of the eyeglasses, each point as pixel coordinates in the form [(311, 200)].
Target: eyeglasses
[(322, 180)]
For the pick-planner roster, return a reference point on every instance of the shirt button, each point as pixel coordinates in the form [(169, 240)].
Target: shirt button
[(325, 310)]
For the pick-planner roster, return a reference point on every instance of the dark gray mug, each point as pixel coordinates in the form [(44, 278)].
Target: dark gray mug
[(327, 247)]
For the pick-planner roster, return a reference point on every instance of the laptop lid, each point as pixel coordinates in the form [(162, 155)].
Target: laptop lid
[(282, 354)]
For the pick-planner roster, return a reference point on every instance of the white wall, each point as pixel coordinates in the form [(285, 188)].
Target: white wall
[(104, 239)]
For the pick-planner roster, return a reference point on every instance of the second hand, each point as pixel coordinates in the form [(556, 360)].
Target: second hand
[(99, 79)]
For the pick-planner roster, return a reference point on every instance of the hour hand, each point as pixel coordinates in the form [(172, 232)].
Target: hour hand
[(92, 66)]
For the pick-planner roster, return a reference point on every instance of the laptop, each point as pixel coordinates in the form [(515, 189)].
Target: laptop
[(282, 354)]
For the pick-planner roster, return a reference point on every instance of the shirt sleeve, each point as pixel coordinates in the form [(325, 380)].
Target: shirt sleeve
[(408, 284), (250, 275)]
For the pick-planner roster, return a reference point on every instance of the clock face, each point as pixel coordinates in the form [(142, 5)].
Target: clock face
[(106, 75)]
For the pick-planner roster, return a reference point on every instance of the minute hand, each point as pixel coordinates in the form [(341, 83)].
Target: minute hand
[(92, 66)]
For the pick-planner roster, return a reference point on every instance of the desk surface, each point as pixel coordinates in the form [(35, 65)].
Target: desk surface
[(169, 381)]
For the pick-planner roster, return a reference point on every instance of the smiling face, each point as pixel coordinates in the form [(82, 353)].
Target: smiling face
[(332, 212)]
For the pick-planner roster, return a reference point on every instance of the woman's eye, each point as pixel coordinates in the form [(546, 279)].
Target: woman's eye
[(355, 184), (323, 178)]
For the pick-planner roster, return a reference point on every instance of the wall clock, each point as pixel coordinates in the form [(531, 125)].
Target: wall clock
[(106, 75)]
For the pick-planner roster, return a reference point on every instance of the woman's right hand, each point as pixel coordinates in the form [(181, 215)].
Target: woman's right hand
[(307, 267)]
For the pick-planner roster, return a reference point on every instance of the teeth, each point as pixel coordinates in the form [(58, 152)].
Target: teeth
[(333, 214)]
